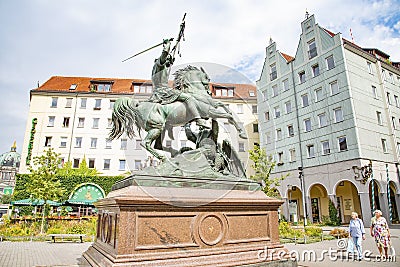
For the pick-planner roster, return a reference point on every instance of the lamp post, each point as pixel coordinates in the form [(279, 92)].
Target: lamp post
[(301, 177), (289, 186)]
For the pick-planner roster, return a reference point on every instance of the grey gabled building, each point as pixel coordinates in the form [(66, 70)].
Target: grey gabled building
[(325, 115)]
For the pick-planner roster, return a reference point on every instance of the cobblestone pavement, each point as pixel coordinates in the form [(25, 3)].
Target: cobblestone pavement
[(29, 254), (341, 258)]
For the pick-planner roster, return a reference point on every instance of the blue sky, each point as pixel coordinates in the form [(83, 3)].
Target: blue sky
[(43, 38)]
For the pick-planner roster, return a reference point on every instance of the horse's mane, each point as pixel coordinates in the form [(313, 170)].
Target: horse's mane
[(181, 82)]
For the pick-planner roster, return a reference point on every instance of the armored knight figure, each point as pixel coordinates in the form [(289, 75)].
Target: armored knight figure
[(162, 93)]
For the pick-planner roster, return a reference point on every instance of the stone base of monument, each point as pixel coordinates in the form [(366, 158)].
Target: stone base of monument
[(187, 226)]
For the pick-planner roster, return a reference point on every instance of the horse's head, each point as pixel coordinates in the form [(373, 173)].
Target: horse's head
[(192, 79)]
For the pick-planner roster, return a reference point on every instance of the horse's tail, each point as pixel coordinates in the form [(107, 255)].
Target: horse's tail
[(124, 118)]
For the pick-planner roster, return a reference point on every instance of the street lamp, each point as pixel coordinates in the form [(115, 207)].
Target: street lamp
[(303, 196)]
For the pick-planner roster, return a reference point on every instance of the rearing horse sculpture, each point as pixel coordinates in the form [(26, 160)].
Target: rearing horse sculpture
[(155, 118)]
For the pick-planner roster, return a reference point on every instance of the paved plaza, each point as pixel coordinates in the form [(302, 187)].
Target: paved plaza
[(28, 254)]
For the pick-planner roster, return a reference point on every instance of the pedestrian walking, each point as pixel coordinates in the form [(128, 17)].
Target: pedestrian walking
[(357, 233), (380, 231)]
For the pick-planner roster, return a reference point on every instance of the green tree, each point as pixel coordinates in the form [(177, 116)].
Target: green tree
[(6, 199), (333, 215), (263, 166), (44, 183)]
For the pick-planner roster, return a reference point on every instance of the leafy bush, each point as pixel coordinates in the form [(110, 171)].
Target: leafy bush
[(339, 233), (286, 231), (313, 231)]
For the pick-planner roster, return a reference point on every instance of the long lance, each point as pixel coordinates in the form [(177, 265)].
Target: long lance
[(154, 46), (178, 40)]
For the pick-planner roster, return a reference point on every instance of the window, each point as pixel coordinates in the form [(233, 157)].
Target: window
[(288, 107), (100, 87), (290, 130), (307, 125), (138, 144), (394, 123), (278, 134), (330, 63), (388, 98), (63, 142), (241, 147), (310, 151), (369, 65), (138, 164), (106, 165), (255, 127), (76, 163), (66, 122), (374, 92), (302, 77), (239, 108), (108, 143), (69, 103), (342, 143), (47, 141), (91, 163), (391, 77), (396, 100), (325, 148), (266, 115), (292, 155), (379, 117), (315, 70), (322, 120), (280, 157), (312, 49), (265, 95), (304, 100), (222, 91), (51, 121), (384, 145), (122, 164), (93, 142), (338, 114), (124, 143), (73, 86), (318, 94), (285, 85), (268, 138), (277, 112), (78, 141), (109, 123), (273, 73), (54, 101), (254, 109), (168, 143), (334, 88), (97, 104), (275, 90), (252, 93), (112, 103), (81, 122), (95, 123), (83, 102)]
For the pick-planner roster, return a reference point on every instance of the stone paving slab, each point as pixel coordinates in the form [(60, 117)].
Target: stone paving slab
[(40, 254)]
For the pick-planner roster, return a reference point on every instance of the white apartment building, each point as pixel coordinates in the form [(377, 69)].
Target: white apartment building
[(326, 113), (73, 116)]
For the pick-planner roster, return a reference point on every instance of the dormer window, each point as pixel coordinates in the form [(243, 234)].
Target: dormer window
[(252, 93), (73, 86), (101, 86), (141, 88), (224, 91)]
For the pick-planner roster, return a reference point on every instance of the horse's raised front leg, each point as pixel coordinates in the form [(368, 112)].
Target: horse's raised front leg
[(151, 136), (215, 113)]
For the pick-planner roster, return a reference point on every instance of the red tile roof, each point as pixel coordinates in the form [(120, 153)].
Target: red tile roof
[(287, 57), (124, 86), (329, 32)]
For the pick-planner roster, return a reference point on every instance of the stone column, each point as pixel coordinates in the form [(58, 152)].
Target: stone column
[(308, 207), (384, 205), (365, 208), (285, 208), (397, 199)]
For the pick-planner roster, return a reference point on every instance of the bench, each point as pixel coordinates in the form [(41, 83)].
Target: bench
[(67, 236)]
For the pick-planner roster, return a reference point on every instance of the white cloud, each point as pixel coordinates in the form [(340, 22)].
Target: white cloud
[(90, 38)]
